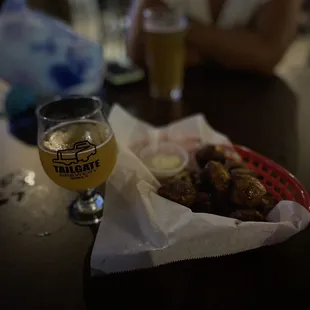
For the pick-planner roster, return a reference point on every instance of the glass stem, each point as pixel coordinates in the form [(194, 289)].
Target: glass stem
[(88, 195), (87, 201)]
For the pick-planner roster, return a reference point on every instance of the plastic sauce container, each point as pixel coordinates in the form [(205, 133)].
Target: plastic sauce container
[(164, 160)]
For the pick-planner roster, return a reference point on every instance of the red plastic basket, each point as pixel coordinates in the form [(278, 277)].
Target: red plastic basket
[(279, 182)]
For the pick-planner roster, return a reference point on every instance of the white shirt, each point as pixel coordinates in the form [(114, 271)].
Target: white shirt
[(234, 13)]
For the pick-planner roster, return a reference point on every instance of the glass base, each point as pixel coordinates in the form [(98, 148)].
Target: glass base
[(87, 210), (173, 95)]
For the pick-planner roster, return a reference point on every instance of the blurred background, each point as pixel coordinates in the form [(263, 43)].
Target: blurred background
[(106, 21)]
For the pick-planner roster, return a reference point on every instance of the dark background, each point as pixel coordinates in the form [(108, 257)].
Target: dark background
[(52, 272)]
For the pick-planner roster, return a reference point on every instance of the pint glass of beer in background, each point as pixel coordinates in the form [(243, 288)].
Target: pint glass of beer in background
[(78, 151), (165, 31)]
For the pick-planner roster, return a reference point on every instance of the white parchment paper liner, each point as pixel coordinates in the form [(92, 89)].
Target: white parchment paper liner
[(141, 229)]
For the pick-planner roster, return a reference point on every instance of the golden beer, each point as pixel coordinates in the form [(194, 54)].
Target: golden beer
[(78, 155), (165, 56)]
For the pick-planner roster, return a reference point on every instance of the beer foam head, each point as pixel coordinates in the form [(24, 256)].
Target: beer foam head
[(161, 20), (164, 27), (65, 135)]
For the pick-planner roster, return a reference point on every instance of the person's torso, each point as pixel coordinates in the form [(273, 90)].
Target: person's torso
[(223, 13)]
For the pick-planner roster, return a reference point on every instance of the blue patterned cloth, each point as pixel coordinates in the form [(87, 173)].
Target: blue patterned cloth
[(44, 55)]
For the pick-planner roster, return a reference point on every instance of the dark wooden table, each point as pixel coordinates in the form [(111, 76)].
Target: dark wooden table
[(44, 258)]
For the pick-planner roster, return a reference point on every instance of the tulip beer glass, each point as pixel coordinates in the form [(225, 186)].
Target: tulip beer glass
[(77, 150)]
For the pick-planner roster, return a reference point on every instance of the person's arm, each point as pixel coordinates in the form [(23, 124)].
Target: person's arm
[(258, 49), (135, 37)]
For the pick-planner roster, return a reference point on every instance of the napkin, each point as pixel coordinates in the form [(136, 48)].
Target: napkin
[(140, 229)]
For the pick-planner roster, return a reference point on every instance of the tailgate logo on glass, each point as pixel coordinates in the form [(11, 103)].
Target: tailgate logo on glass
[(81, 152)]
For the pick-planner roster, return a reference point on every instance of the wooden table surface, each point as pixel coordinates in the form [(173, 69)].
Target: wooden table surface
[(44, 257)]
